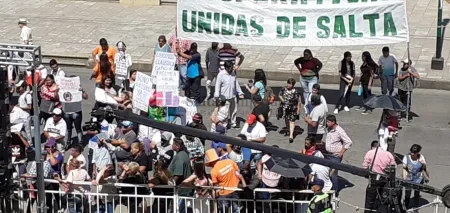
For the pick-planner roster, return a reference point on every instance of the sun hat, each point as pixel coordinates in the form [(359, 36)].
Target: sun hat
[(211, 157)]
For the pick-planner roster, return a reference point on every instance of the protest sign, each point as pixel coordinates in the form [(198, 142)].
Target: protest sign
[(163, 61), (123, 62), (142, 91), (188, 109), (101, 96), (294, 22), (167, 88), (69, 90)]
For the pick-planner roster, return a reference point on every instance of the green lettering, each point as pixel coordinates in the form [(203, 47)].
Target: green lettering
[(322, 26), (389, 25), (336, 1), (353, 33), (258, 29), (216, 23), (339, 27), (241, 26), (227, 24), (372, 18), (353, 1), (282, 1), (298, 27), (283, 21), (204, 22), (304, 1), (185, 21), (319, 1), (294, 1)]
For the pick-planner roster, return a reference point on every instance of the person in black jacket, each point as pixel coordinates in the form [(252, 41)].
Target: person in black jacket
[(347, 75), (198, 124)]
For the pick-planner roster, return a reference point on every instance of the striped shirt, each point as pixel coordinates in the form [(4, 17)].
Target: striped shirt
[(222, 116), (195, 148), (336, 139), (228, 55), (184, 45)]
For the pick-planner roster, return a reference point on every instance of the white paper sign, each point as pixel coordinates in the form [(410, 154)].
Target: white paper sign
[(102, 97), (69, 90), (122, 65), (189, 107), (167, 93), (163, 61), (142, 91)]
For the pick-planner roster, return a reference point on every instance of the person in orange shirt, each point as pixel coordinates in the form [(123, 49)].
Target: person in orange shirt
[(224, 173), (104, 61)]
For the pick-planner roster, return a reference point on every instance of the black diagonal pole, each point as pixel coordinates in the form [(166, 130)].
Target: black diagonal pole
[(437, 63)]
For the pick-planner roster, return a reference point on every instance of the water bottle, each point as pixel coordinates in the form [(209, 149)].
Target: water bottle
[(104, 126)]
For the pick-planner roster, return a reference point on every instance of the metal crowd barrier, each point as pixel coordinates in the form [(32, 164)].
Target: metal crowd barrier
[(101, 199)]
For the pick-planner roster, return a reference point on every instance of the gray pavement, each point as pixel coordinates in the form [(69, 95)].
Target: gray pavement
[(430, 129), (69, 30)]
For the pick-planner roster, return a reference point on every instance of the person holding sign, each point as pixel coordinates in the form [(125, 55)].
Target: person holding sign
[(123, 61), (73, 116), (194, 72), (181, 45)]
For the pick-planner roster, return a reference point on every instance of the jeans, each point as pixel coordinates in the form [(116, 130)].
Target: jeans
[(387, 83), (307, 85), (73, 119), (183, 75), (374, 189), (334, 176), (223, 205), (366, 93), (232, 106), (182, 206), (344, 94), (405, 98), (192, 88), (75, 203)]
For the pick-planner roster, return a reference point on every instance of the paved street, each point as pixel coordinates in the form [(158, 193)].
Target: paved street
[(430, 130), (68, 28)]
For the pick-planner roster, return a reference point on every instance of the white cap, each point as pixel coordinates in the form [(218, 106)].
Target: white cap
[(23, 21), (57, 111), (406, 61)]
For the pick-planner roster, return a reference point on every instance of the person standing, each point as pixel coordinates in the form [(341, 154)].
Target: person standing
[(376, 163), (212, 65), (181, 170), (180, 45), (260, 83), (228, 86), (255, 132), (162, 45), (321, 202), (56, 70), (316, 119), (414, 170), (194, 72), (25, 32), (388, 71), (104, 60), (73, 116), (228, 53), (346, 69), (122, 61), (261, 110), (368, 69), (292, 104), (337, 142), (309, 68), (315, 91), (406, 83)]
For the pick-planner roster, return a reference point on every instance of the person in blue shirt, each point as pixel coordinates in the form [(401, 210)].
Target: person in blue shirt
[(216, 144), (194, 72), (246, 152)]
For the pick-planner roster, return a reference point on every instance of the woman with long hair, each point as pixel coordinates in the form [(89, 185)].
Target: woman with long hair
[(104, 68), (162, 177), (200, 179), (346, 69), (138, 155), (291, 103), (49, 97), (309, 68), (128, 84), (259, 84), (368, 69)]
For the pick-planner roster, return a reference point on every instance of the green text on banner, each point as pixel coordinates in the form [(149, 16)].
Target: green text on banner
[(294, 22)]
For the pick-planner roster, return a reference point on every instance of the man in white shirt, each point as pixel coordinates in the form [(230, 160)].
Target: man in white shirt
[(25, 98), (77, 151), (56, 127), (20, 120), (56, 71), (321, 172), (316, 120), (25, 32), (256, 132)]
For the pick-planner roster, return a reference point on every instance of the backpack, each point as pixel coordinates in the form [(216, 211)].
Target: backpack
[(269, 96)]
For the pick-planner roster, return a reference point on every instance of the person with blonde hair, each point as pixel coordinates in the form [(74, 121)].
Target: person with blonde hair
[(138, 155), (132, 175)]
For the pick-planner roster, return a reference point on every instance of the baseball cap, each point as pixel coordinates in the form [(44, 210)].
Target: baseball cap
[(57, 111), (251, 119), (126, 123), (50, 142), (197, 117), (220, 129), (406, 60), (318, 182), (221, 145)]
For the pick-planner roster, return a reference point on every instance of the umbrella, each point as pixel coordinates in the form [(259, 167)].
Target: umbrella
[(384, 102), (286, 167)]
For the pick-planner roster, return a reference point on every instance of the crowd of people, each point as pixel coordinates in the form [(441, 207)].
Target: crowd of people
[(129, 153)]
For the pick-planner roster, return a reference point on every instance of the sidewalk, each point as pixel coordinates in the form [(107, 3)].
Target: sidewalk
[(69, 30)]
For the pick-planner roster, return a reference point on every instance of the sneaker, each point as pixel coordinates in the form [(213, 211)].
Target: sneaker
[(365, 112), (234, 126), (359, 108), (346, 109), (336, 111)]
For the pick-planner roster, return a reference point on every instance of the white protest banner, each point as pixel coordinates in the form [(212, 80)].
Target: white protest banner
[(167, 94), (142, 91), (188, 108), (163, 61), (101, 96), (69, 90), (294, 22), (123, 62)]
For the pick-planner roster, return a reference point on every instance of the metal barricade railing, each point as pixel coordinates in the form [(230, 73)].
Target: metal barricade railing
[(101, 199)]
